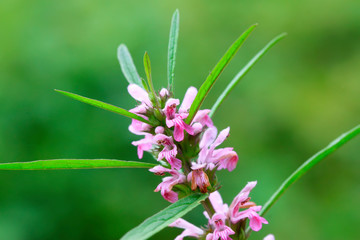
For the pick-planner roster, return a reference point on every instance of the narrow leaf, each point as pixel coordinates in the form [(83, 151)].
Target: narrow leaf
[(173, 40), (103, 105), (214, 74), (306, 166), (58, 164), (127, 65), (165, 217), (147, 66), (243, 72)]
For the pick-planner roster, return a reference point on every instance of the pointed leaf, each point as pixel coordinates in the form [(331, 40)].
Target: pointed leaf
[(147, 66), (165, 217), (173, 40), (243, 72), (215, 73), (57, 164), (103, 105), (306, 166), (127, 65)]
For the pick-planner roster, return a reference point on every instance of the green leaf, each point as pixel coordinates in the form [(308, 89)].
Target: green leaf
[(127, 65), (173, 40), (57, 164), (214, 74), (243, 72), (306, 166), (103, 105), (147, 66), (165, 217)]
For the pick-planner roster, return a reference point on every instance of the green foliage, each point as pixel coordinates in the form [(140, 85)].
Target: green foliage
[(307, 165), (243, 72), (127, 65), (147, 66), (215, 73), (173, 40), (165, 217), (59, 164), (103, 105)]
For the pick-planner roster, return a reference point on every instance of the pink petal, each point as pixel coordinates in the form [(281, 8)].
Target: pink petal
[(139, 94), (269, 237), (256, 222), (197, 128), (181, 223), (221, 138), (203, 118), (188, 99), (170, 107), (159, 129), (178, 133), (208, 137), (217, 202), (164, 93)]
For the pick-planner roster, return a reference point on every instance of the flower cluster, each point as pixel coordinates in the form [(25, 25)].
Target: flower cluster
[(189, 155), (186, 152), (225, 219)]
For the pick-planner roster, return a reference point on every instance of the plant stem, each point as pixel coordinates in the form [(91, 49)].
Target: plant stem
[(208, 207)]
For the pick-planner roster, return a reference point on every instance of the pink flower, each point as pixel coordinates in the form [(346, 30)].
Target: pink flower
[(198, 177), (226, 158), (221, 158), (175, 120), (188, 100), (189, 229), (165, 187), (202, 117), (221, 230), (160, 170), (164, 93), (169, 151), (241, 201), (255, 220), (269, 237), (144, 144), (139, 128), (217, 202), (139, 94)]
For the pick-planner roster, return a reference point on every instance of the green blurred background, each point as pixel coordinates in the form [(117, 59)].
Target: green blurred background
[(300, 96)]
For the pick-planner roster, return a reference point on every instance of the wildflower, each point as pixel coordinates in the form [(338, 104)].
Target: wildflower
[(242, 201), (198, 177), (169, 151), (190, 230), (269, 237), (175, 120), (141, 95), (224, 158), (221, 230), (144, 144), (165, 187)]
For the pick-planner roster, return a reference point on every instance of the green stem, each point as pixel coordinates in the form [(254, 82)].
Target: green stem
[(208, 207)]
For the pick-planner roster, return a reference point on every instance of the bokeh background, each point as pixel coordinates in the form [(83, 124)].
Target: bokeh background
[(300, 96)]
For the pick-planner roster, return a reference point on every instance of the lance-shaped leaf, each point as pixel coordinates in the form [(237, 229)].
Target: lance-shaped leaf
[(165, 217), (173, 40), (215, 73), (103, 105), (306, 166), (58, 164), (243, 72), (127, 65)]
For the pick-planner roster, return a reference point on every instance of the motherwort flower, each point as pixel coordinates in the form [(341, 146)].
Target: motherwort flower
[(193, 154), (225, 219)]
